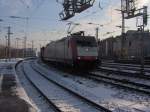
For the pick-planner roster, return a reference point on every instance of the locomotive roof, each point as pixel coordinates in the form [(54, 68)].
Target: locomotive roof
[(78, 37)]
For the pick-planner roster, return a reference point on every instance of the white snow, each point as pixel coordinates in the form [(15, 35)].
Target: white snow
[(121, 64), (123, 77), (126, 67), (120, 69), (104, 95), (21, 92), (11, 61), (9, 68), (63, 99), (34, 96)]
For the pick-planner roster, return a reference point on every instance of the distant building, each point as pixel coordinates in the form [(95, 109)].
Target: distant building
[(17, 53), (30, 52), (2, 51), (106, 48), (111, 47), (134, 41)]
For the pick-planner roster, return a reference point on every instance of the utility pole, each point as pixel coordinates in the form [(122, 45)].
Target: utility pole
[(142, 49), (128, 7), (0, 24), (17, 40), (97, 30), (141, 28), (124, 9), (9, 43), (6, 48), (97, 35), (98, 47), (25, 43), (32, 48), (25, 38), (123, 34)]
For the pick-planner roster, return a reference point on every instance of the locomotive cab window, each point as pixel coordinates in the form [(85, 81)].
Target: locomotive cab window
[(83, 43)]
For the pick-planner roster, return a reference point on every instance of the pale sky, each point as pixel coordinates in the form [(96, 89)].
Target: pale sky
[(44, 23)]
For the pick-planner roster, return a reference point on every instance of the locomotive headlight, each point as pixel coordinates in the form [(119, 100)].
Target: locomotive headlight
[(87, 49), (79, 58)]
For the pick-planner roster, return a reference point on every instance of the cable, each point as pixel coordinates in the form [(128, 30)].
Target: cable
[(37, 7), (59, 2), (100, 5), (22, 1)]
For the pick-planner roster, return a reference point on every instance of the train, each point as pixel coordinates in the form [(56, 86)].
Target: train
[(76, 50)]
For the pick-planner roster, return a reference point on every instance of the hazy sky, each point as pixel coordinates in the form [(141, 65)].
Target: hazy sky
[(44, 22)]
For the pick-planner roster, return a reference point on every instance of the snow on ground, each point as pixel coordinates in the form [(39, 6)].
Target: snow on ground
[(123, 77), (8, 68), (126, 67), (116, 69), (34, 96), (123, 64), (11, 61), (107, 95), (63, 99)]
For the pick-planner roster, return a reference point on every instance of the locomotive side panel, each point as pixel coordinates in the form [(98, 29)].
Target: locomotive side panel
[(60, 50), (42, 53), (68, 51), (49, 52), (64, 51)]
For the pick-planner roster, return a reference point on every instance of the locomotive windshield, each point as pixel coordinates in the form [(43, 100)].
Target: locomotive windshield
[(87, 43)]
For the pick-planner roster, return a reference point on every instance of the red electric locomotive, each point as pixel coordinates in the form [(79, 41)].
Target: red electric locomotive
[(76, 50)]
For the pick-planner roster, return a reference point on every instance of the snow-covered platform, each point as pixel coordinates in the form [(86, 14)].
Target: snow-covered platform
[(12, 96)]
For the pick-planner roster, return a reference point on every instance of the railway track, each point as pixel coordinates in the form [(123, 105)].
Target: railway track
[(69, 100), (127, 67), (128, 71), (98, 79), (120, 82), (41, 93), (123, 75), (122, 64), (66, 75)]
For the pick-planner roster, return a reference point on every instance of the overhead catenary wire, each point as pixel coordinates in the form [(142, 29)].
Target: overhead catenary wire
[(23, 2), (36, 8), (97, 11), (59, 2), (39, 5)]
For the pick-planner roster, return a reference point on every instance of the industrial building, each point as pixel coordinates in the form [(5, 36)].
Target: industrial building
[(17, 53), (135, 44)]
